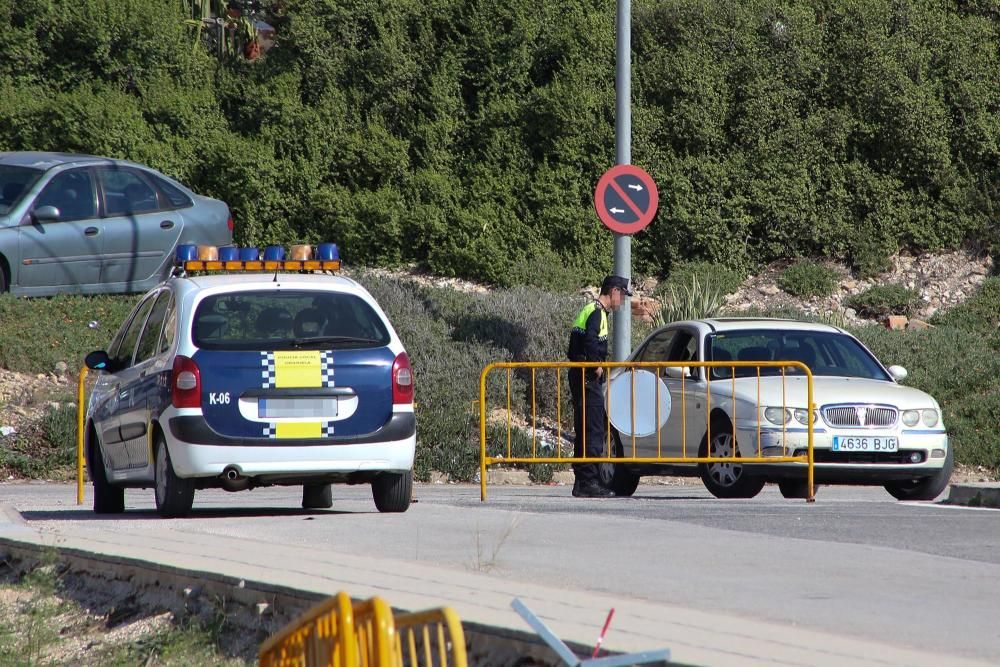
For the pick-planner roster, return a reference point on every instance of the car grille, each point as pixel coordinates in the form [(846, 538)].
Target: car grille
[(860, 416)]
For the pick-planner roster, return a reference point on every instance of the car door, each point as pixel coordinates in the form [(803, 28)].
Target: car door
[(118, 399), (685, 424), (141, 227), (65, 250), (142, 382)]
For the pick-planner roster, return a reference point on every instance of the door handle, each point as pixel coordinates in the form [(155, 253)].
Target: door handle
[(167, 224), (91, 231)]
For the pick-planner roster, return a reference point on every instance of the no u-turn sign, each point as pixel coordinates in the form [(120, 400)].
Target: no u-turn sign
[(626, 199)]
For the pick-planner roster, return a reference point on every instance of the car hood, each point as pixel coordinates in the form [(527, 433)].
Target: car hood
[(791, 391)]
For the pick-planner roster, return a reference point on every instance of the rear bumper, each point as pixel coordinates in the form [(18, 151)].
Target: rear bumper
[(198, 451)]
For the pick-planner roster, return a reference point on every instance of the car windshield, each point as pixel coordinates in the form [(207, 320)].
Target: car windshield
[(14, 184), (285, 320), (824, 353)]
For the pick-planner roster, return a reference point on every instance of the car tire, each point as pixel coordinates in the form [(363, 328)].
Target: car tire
[(618, 477), (174, 496), (927, 488), (3, 280), (393, 491), (726, 480), (108, 498), (795, 488), (317, 496)]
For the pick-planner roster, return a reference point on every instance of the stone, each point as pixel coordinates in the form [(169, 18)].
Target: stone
[(916, 324), (896, 322)]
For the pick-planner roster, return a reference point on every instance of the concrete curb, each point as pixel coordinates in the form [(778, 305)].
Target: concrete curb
[(974, 495)]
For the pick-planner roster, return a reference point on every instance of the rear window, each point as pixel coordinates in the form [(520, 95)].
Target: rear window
[(271, 320)]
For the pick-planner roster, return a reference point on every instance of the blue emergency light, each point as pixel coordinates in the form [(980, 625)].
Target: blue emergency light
[(190, 257)]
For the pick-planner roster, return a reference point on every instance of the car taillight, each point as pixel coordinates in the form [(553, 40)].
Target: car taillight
[(230, 223), (402, 380), (185, 383)]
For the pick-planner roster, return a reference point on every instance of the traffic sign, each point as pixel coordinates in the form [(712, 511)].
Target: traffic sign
[(626, 199)]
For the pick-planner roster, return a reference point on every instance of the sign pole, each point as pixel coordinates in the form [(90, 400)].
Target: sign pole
[(622, 339)]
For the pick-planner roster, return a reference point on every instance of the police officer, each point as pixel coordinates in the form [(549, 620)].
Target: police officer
[(588, 341)]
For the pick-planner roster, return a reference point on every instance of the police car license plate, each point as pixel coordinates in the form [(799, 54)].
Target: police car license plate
[(865, 443), (290, 408)]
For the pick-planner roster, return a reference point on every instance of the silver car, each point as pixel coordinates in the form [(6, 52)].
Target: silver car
[(87, 225)]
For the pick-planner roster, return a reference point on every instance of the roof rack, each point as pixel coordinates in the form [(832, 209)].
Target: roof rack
[(302, 258)]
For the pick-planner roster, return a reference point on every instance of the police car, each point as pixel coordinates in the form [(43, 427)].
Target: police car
[(245, 369)]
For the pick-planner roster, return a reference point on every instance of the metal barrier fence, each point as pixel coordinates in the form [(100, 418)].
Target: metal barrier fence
[(340, 633), (682, 388)]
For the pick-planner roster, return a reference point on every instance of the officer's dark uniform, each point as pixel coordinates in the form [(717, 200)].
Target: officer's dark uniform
[(588, 341)]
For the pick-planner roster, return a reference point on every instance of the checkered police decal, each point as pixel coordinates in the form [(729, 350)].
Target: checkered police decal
[(298, 369)]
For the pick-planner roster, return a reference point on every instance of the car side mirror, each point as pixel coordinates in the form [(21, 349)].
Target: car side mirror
[(46, 214), (98, 360), (678, 372), (898, 373)]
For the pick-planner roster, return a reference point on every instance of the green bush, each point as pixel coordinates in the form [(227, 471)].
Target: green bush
[(883, 300), (714, 276), (57, 329), (695, 300), (806, 279), (981, 312)]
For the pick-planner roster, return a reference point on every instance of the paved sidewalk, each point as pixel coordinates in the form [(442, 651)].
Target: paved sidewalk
[(694, 637)]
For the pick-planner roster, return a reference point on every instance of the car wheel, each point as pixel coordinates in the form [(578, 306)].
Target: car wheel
[(3, 280), (317, 496), (174, 496), (927, 488), (392, 491), (108, 499), (726, 479), (795, 488), (618, 477)]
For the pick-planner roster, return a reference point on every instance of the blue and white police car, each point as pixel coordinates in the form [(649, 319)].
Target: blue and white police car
[(245, 370)]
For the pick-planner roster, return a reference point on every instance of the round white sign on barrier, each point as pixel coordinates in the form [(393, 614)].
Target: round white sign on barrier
[(641, 421)]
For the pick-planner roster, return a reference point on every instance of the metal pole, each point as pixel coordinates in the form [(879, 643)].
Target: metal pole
[(622, 340)]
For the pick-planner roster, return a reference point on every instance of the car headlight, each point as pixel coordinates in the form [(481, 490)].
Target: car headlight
[(777, 415), (911, 417), (930, 418), (802, 416)]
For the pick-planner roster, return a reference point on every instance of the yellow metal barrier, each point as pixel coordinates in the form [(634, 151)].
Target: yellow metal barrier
[(431, 638), (510, 457), (81, 409), (339, 633)]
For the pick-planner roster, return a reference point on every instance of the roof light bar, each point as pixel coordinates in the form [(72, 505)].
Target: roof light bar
[(325, 257)]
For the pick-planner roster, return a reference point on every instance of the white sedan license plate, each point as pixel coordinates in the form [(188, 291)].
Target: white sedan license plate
[(866, 443)]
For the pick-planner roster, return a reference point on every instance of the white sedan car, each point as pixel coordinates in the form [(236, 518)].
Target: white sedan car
[(868, 428)]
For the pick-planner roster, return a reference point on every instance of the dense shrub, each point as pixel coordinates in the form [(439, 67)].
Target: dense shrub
[(981, 312), (806, 279), (718, 277), (468, 138), (883, 300), (689, 302), (35, 334)]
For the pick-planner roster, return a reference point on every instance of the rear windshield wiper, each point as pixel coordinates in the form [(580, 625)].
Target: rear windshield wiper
[(326, 340)]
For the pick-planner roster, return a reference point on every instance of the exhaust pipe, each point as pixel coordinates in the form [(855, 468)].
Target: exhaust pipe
[(232, 480)]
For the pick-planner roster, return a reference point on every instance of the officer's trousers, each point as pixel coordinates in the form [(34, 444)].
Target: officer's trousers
[(591, 394)]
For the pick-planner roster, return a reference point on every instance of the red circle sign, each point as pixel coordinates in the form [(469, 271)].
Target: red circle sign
[(626, 199)]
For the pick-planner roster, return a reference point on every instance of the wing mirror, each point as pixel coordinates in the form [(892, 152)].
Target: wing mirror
[(98, 360), (46, 214), (679, 372), (898, 373)]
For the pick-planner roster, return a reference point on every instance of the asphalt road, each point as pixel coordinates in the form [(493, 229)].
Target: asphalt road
[(855, 563)]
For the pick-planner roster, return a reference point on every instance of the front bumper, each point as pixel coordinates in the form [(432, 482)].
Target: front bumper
[(920, 453)]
